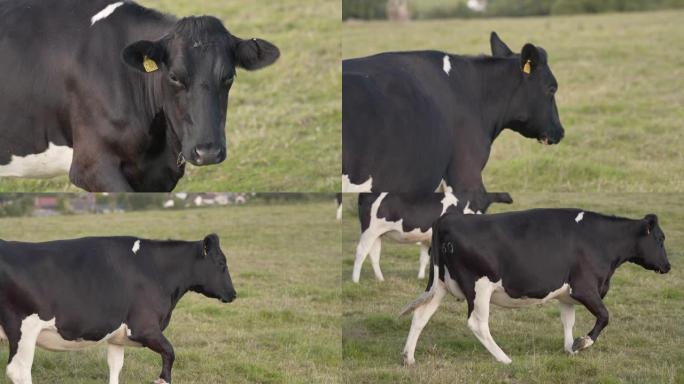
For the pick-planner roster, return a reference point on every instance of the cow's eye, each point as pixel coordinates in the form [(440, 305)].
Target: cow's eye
[(175, 80), (552, 90), (228, 80)]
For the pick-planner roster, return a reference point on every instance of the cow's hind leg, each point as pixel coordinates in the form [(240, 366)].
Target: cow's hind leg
[(424, 260), (365, 244), (115, 360), (593, 302), (22, 349), (567, 315), (421, 316), (375, 258), (478, 319)]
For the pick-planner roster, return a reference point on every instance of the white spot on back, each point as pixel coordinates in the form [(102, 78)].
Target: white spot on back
[(55, 161), (348, 186), (579, 217), (136, 246), (106, 12), (446, 66)]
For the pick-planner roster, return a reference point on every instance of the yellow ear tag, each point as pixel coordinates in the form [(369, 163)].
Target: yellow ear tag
[(150, 65), (527, 68)]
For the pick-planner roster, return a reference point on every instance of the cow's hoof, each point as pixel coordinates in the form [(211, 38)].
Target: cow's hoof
[(408, 361), (582, 343), (160, 381), (506, 360)]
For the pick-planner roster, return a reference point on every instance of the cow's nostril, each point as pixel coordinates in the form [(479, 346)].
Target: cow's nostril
[(205, 154)]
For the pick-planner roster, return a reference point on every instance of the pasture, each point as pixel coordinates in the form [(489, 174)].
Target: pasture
[(620, 96), (279, 330), (642, 343), (283, 125)]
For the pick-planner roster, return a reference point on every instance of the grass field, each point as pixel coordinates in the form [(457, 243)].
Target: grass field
[(642, 343), (283, 328), (621, 96), (283, 124)]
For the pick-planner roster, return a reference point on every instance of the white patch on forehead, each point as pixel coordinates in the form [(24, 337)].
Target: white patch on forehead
[(579, 217), (136, 246), (348, 186), (55, 161), (106, 12), (446, 66)]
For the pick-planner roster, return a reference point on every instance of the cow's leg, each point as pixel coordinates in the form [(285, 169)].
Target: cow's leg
[(421, 316), (158, 343), (567, 315), (478, 319), (365, 244), (115, 360), (592, 301), (22, 349), (98, 172), (424, 260), (375, 258)]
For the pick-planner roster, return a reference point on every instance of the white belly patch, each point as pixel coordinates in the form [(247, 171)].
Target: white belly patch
[(55, 161), (501, 298)]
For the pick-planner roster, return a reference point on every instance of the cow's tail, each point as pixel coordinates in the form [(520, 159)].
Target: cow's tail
[(426, 296)]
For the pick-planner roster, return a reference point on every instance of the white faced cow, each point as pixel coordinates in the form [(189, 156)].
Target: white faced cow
[(113, 94), (407, 218), (72, 294), (523, 258)]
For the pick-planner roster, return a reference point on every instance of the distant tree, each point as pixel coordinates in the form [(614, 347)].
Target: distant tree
[(363, 9)]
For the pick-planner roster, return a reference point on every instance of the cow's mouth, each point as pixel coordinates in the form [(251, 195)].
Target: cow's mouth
[(544, 140)]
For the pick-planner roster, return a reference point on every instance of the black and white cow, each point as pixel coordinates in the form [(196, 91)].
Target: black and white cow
[(523, 258), (70, 294), (406, 218), (412, 121), (114, 94)]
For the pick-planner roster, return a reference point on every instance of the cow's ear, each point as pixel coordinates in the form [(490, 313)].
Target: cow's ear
[(529, 58), (499, 48), (210, 243), (254, 54), (145, 56), (650, 222)]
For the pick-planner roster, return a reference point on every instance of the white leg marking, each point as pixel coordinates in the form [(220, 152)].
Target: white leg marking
[(115, 360), (106, 12), (55, 161), (478, 322), (567, 315), (19, 369), (421, 316), (338, 216), (348, 186), (446, 64), (365, 243), (375, 258), (424, 260)]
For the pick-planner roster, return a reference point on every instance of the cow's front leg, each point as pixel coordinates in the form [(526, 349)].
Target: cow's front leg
[(115, 360), (158, 343), (593, 302), (98, 172), (478, 318), (567, 315), (424, 260), (366, 242), (375, 258)]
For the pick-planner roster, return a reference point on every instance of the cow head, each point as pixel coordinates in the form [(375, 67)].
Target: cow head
[(195, 65), (532, 110), (650, 250), (211, 271)]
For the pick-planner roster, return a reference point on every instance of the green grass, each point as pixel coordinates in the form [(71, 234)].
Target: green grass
[(283, 124), (621, 95), (642, 343), (283, 328)]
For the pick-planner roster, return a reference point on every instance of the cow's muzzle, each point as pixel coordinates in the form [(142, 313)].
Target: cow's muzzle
[(552, 138), (207, 154), (229, 298)]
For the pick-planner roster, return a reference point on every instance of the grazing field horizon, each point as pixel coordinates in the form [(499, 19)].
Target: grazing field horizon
[(283, 123), (279, 328), (641, 344), (620, 95)]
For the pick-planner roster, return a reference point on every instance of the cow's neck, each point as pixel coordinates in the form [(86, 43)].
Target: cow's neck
[(622, 242), (499, 80), (177, 267)]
